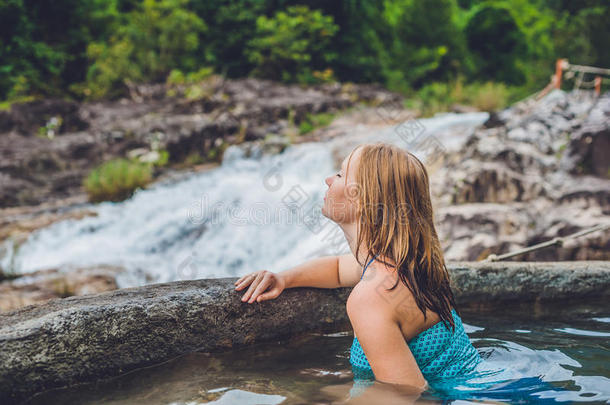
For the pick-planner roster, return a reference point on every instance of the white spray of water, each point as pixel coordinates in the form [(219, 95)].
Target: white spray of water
[(225, 222)]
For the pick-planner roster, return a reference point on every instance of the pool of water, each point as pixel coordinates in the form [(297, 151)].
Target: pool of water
[(556, 353)]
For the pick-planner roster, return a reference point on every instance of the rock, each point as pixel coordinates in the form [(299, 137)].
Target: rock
[(41, 167), (6, 121), (517, 161), (43, 285), (492, 182), (34, 169), (588, 151), (499, 228), (494, 120), (84, 339), (27, 118)]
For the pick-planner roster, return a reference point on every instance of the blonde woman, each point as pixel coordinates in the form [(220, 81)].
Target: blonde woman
[(406, 327)]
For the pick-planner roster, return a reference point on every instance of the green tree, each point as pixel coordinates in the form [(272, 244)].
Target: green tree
[(581, 31), (496, 42), (156, 37), (292, 44), (42, 44), (232, 23), (423, 45)]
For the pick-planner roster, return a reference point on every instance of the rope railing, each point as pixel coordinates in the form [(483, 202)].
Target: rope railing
[(570, 71), (560, 240), (563, 65)]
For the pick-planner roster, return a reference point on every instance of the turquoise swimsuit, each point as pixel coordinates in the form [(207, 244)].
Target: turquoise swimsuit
[(439, 353), (448, 360)]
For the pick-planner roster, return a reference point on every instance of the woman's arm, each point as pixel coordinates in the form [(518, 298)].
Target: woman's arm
[(321, 272), (325, 272)]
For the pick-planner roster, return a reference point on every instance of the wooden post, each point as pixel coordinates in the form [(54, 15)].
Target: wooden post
[(558, 72), (598, 85)]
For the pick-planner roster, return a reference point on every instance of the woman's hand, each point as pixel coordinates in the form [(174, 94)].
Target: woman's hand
[(264, 285)]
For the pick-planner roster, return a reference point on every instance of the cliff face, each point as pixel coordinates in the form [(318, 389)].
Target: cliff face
[(83, 339), (532, 172)]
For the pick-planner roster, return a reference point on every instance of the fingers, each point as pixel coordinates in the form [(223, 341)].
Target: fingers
[(262, 286), (244, 281), (259, 282), (253, 286), (269, 295)]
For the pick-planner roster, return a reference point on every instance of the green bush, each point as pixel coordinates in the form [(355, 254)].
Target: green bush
[(193, 83), (490, 97), (496, 43), (313, 121), (440, 96), (116, 180)]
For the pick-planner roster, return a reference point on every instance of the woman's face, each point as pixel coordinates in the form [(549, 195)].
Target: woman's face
[(340, 202)]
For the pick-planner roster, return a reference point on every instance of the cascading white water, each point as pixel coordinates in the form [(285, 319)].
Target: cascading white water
[(248, 214)]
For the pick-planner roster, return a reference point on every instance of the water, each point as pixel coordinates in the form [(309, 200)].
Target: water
[(224, 222), (566, 350)]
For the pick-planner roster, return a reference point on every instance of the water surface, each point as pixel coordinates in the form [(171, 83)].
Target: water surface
[(566, 347)]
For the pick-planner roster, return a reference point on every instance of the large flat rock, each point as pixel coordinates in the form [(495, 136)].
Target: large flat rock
[(83, 339)]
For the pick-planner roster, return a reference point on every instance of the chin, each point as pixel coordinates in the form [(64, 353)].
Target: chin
[(325, 213)]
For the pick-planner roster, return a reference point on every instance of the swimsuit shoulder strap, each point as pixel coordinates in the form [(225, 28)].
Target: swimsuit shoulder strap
[(367, 265)]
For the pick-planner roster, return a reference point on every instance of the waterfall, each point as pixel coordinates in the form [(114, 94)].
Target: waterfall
[(252, 212)]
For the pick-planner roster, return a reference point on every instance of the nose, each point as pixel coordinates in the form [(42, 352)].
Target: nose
[(328, 180)]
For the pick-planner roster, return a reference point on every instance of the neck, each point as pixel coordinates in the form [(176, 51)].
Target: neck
[(350, 230)]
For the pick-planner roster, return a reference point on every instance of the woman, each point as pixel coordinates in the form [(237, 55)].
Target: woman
[(406, 328)]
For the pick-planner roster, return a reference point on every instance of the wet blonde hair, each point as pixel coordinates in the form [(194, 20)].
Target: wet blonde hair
[(396, 221)]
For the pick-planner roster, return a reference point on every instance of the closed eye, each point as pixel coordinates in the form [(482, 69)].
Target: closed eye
[(338, 174)]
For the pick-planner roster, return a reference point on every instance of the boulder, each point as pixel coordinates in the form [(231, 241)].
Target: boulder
[(547, 162), (43, 285), (27, 118), (588, 151)]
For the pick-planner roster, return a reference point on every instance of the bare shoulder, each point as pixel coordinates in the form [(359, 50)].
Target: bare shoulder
[(375, 293), (369, 294)]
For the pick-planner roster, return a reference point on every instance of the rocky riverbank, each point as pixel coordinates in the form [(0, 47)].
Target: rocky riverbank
[(47, 147), (532, 172)]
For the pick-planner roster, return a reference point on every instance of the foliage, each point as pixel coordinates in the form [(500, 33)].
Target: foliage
[(158, 36), (313, 121), (292, 44), (438, 96), (97, 48), (117, 179), (192, 83), (496, 42), (423, 45)]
